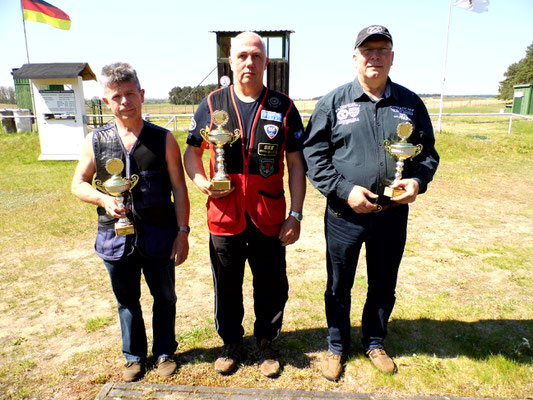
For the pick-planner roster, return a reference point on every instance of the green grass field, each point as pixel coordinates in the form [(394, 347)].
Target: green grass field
[(462, 326)]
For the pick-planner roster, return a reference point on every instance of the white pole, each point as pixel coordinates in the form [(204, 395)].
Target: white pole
[(444, 67)]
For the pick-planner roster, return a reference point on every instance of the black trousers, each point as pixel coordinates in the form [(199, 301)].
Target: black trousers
[(266, 257)]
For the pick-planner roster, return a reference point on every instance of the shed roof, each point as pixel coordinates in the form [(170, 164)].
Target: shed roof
[(54, 71)]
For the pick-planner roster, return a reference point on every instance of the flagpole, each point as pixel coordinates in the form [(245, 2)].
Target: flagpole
[(28, 58), (444, 67), (25, 38)]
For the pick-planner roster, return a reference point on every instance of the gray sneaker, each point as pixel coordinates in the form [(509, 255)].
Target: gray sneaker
[(133, 371)]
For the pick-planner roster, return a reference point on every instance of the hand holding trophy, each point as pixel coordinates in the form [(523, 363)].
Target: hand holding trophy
[(115, 186), (219, 137), (402, 151)]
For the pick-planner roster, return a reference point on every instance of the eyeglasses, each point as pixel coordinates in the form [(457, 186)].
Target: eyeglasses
[(369, 51)]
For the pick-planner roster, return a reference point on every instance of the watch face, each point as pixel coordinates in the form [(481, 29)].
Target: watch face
[(297, 215)]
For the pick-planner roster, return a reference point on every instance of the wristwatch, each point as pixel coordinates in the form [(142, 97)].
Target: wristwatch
[(185, 228), (297, 215)]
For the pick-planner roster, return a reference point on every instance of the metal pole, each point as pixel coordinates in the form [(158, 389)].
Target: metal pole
[(510, 123), (444, 67)]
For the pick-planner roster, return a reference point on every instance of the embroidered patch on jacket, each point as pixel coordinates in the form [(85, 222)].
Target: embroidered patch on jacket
[(271, 115), (192, 126), (299, 134), (347, 113), (266, 167), (271, 130), (274, 102), (267, 149)]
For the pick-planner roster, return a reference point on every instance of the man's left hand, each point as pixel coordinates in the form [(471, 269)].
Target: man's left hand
[(180, 249), (290, 231), (411, 188)]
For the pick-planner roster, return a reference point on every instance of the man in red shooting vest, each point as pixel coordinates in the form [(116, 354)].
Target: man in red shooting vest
[(249, 221)]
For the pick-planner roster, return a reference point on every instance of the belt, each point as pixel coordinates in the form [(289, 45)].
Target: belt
[(386, 207)]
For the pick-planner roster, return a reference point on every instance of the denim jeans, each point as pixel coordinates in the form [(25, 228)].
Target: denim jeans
[(125, 278), (384, 235)]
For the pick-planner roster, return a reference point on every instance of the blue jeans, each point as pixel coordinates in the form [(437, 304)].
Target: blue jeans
[(384, 235), (125, 278)]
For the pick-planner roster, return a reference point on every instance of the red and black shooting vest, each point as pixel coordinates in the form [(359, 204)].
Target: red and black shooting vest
[(256, 173)]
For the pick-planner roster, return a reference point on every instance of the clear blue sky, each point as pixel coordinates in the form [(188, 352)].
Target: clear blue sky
[(170, 44)]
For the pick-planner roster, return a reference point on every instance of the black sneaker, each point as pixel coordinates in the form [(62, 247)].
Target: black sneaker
[(227, 363)]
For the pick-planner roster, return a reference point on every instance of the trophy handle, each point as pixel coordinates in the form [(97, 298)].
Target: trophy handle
[(386, 145), (204, 132), (133, 181), (236, 136), (98, 184), (418, 149)]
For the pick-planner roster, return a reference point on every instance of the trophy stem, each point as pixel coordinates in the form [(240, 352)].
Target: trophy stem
[(221, 180), (123, 226)]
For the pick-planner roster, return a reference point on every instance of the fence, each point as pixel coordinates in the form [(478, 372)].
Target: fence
[(182, 121)]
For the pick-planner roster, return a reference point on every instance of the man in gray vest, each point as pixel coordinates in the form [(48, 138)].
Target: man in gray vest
[(125, 150)]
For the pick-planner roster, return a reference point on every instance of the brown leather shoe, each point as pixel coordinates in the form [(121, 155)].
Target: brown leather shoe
[(382, 361), (332, 366), (227, 363), (270, 366), (166, 367), (133, 370)]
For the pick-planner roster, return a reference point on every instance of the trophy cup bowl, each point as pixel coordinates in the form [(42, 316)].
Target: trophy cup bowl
[(402, 150), (116, 186), (220, 137)]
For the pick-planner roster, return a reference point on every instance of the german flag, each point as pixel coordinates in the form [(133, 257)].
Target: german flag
[(41, 11)]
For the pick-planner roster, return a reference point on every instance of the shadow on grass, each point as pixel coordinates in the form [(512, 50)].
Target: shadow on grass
[(445, 339)]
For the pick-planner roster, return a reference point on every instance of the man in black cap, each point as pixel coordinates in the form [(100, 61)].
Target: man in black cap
[(347, 162)]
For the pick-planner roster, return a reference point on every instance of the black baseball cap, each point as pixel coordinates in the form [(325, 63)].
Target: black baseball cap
[(372, 30)]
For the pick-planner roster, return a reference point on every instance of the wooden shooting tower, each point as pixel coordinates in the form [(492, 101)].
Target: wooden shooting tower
[(277, 45)]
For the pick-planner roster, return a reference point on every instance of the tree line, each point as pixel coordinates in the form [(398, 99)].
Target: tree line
[(519, 73), (7, 95), (189, 95)]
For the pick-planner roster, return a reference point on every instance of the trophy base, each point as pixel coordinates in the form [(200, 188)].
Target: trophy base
[(222, 185), (390, 192), (121, 230)]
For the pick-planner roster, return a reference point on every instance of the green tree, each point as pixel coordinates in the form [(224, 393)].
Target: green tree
[(189, 95), (520, 73), (7, 95)]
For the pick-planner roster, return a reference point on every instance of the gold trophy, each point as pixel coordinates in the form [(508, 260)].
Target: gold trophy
[(115, 186), (219, 137), (402, 151)]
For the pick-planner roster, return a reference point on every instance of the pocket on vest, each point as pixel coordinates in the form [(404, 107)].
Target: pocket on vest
[(223, 211), (270, 209), (108, 245), (151, 189)]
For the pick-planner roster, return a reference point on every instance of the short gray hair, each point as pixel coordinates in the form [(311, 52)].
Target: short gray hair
[(118, 73)]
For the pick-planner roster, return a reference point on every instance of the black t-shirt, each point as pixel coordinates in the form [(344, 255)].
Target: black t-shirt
[(202, 119)]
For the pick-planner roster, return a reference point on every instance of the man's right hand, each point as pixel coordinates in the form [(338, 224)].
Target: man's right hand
[(206, 186), (112, 209), (358, 200)]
